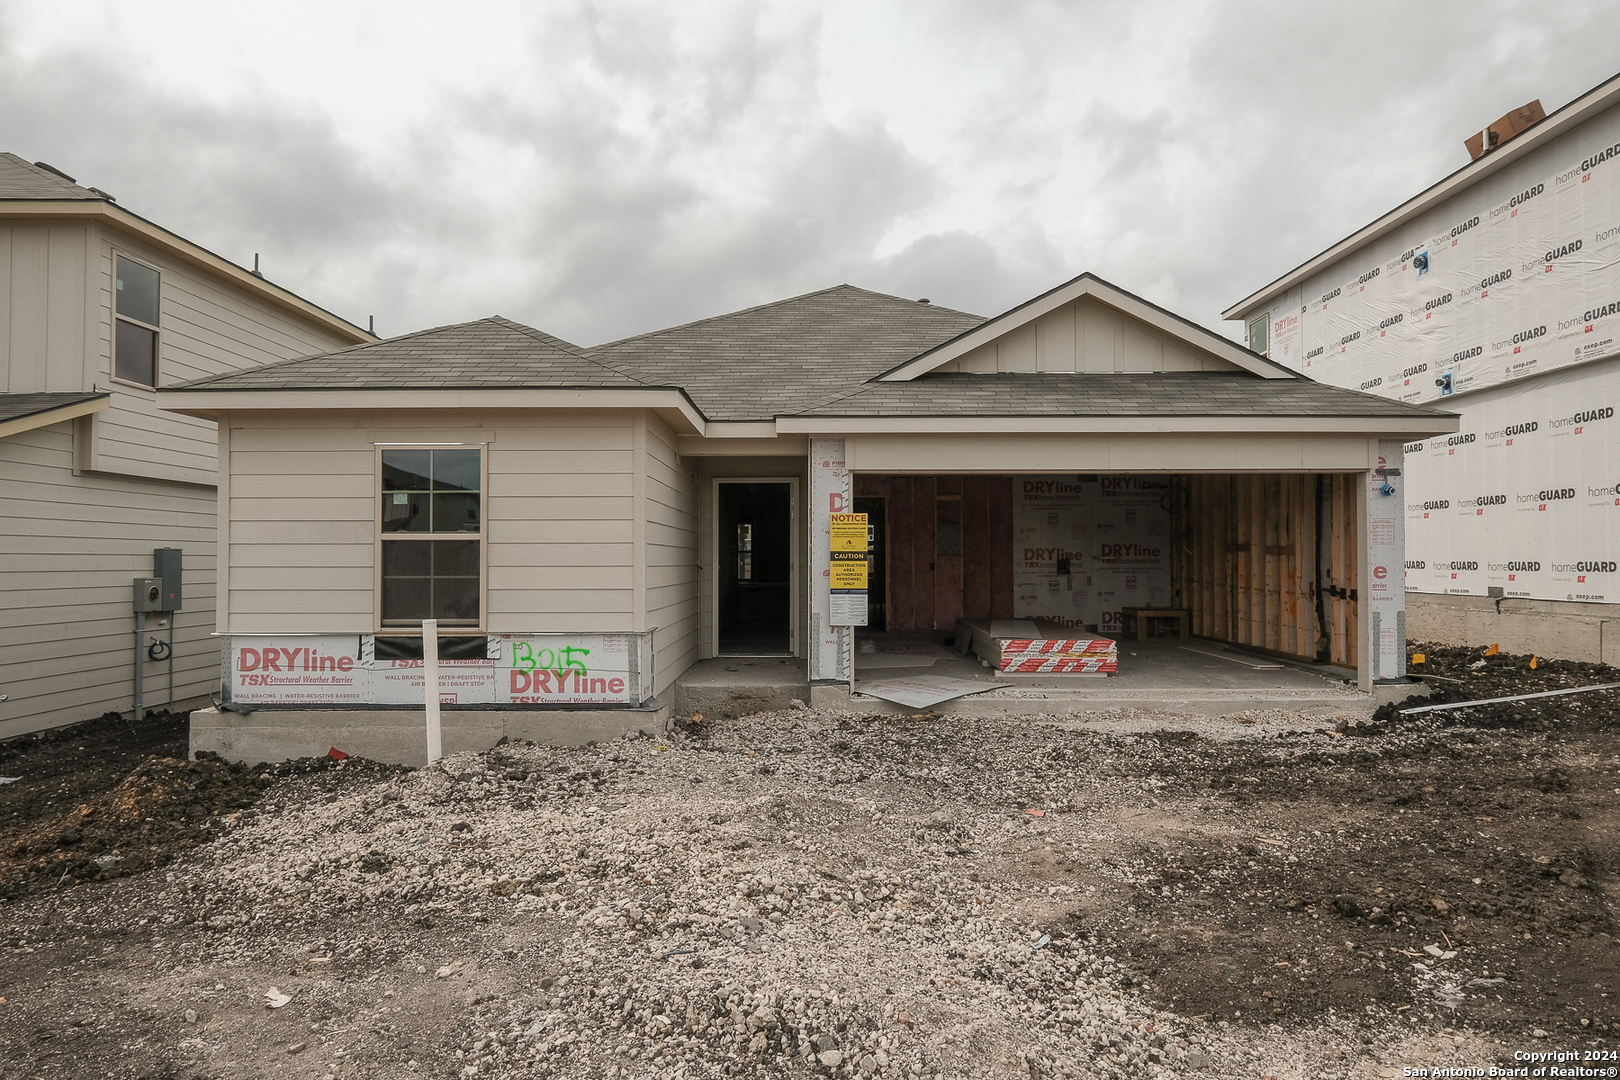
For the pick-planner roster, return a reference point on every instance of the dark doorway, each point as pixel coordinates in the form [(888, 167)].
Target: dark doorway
[(754, 613), (876, 556)]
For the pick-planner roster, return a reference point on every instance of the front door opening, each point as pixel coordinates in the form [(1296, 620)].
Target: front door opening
[(755, 575)]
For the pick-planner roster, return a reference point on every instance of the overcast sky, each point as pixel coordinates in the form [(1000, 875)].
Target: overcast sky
[(603, 169)]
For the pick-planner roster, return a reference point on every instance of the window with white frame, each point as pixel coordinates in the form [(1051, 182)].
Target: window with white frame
[(1258, 341), (135, 321), (431, 536)]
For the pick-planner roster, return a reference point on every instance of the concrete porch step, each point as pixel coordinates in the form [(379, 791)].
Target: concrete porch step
[(738, 685)]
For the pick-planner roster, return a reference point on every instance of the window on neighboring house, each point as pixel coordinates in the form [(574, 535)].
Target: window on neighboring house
[(1257, 333), (431, 537), (135, 322)]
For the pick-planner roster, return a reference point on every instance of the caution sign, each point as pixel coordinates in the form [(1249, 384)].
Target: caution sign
[(848, 573), (847, 576), (849, 533)]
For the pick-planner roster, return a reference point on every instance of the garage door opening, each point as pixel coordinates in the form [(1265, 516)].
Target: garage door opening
[(754, 578), (1264, 562)]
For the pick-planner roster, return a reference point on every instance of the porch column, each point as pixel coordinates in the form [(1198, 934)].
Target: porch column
[(1383, 590), (831, 647)]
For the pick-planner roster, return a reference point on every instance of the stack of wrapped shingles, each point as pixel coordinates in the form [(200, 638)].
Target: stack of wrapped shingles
[(1079, 655)]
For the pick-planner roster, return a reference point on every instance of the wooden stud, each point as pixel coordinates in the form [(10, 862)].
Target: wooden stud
[(1000, 490), (976, 561)]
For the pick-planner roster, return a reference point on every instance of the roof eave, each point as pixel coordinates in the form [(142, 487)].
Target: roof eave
[(209, 403), (1404, 427), (46, 417), (1560, 121), (183, 249)]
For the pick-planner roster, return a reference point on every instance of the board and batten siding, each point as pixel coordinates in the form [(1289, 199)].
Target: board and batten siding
[(1086, 335), (70, 545), (44, 302), (207, 326), (559, 518), (670, 548)]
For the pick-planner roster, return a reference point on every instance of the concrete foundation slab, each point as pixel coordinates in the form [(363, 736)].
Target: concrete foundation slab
[(398, 736), (1557, 629), (1198, 677), (1012, 702)]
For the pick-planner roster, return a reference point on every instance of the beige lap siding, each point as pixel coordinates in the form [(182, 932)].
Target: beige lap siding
[(558, 510), (560, 514), (69, 548), (207, 327), (299, 541), (670, 546)]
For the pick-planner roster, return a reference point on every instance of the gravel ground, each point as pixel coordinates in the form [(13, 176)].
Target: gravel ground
[(813, 894)]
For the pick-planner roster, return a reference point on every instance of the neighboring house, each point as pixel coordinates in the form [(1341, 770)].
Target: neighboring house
[(586, 524), (1495, 293), (99, 308)]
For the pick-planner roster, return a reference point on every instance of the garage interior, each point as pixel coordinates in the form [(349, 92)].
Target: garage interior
[(1264, 562)]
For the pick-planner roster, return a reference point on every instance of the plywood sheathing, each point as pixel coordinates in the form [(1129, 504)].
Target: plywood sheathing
[(928, 590)]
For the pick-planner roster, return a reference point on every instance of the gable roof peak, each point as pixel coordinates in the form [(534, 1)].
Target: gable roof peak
[(1106, 292)]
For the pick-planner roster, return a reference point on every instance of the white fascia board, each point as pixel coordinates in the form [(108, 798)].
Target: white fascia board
[(993, 425), (206, 403), (732, 429), (46, 418), (1561, 121), (183, 249), (775, 446), (1193, 335)]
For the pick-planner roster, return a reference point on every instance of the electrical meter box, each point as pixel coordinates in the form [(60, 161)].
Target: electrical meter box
[(149, 594), (166, 567)]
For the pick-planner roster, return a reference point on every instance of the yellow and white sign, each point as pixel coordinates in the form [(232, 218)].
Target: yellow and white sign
[(848, 572), (848, 533)]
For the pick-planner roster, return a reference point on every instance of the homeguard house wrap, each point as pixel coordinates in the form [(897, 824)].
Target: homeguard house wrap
[(1496, 293), (586, 524)]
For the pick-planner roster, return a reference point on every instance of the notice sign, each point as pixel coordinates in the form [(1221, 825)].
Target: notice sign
[(847, 576), (848, 533)]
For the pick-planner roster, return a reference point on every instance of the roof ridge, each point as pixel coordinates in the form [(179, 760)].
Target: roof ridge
[(779, 303), (722, 315), (533, 331), (573, 350), (291, 360)]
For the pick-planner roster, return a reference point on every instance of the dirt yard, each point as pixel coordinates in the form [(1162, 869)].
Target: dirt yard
[(802, 894)]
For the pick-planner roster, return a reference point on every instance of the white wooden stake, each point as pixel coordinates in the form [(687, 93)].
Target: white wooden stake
[(430, 671)]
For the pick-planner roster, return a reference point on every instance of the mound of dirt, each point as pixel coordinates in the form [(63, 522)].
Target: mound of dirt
[(1456, 674), (162, 808)]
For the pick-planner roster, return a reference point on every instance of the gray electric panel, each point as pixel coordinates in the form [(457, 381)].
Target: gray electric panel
[(149, 594), (166, 566)]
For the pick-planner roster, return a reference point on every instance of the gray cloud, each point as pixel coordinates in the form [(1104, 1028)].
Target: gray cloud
[(639, 169)]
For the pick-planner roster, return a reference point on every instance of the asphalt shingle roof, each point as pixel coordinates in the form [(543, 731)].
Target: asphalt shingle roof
[(1172, 393), (778, 358), (17, 406), (492, 352), (20, 179), (811, 355)]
